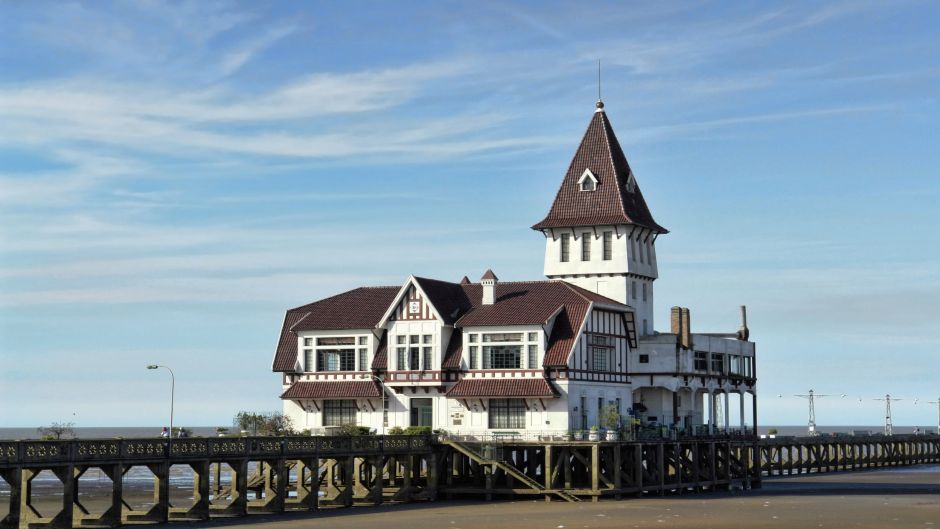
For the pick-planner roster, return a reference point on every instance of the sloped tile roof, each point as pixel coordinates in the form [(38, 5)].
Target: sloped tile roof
[(360, 308), (449, 299), (502, 387), (380, 360), (516, 303), (339, 389), (526, 302), (611, 202), (564, 333), (454, 350)]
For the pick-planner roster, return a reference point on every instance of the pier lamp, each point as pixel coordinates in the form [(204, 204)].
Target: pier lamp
[(382, 387), (172, 392)]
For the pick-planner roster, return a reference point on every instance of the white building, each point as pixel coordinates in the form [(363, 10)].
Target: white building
[(538, 356)]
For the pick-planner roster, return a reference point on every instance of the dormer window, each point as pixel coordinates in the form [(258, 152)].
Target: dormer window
[(631, 183), (587, 182)]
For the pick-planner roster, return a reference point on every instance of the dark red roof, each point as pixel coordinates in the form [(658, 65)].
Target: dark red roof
[(489, 275), (449, 299), (564, 333), (526, 303), (454, 350), (339, 389), (516, 303), (380, 360), (360, 308), (611, 202), (285, 357), (502, 387)]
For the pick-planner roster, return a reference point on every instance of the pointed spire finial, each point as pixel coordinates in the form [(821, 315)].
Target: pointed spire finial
[(600, 100)]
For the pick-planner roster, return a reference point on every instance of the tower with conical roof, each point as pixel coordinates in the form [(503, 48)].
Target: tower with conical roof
[(599, 232)]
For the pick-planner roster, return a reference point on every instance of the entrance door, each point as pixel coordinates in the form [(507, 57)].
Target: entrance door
[(422, 412)]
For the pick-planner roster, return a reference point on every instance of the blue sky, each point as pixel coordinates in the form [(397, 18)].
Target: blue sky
[(175, 175)]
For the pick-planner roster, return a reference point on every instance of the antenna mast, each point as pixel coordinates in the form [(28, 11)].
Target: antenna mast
[(599, 80)]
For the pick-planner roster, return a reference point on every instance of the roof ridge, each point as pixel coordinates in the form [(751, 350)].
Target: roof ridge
[(421, 278), (577, 291), (610, 155), (581, 290), (306, 305), (570, 165)]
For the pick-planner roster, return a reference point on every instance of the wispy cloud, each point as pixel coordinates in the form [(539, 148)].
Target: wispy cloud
[(246, 51)]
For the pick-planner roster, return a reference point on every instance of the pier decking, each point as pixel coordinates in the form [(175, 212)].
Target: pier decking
[(276, 474)]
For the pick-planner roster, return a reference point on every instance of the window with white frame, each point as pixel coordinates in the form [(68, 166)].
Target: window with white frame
[(587, 182), (309, 358), (644, 291), (507, 413), (600, 359), (640, 245), (363, 359), (401, 358), (339, 412), (505, 350), (335, 353), (633, 289), (600, 352), (585, 246), (426, 358), (565, 247), (502, 356), (608, 245), (415, 352)]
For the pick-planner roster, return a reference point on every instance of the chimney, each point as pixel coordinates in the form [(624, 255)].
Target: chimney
[(675, 321), (686, 324), (489, 281), (743, 333)]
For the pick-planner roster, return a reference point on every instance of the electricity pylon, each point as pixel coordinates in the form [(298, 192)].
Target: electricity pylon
[(888, 426), (812, 396), (937, 402)]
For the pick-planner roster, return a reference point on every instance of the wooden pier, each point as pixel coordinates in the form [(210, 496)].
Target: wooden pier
[(276, 474), (803, 455), (266, 474)]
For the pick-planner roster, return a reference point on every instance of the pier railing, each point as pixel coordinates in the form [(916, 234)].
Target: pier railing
[(17, 453)]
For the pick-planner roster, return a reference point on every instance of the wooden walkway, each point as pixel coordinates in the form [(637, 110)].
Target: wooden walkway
[(267, 474)]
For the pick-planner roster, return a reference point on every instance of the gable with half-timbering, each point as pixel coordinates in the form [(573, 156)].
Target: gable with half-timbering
[(413, 306), (602, 350)]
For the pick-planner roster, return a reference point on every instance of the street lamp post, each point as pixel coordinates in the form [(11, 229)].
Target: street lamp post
[(382, 388), (172, 392)]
